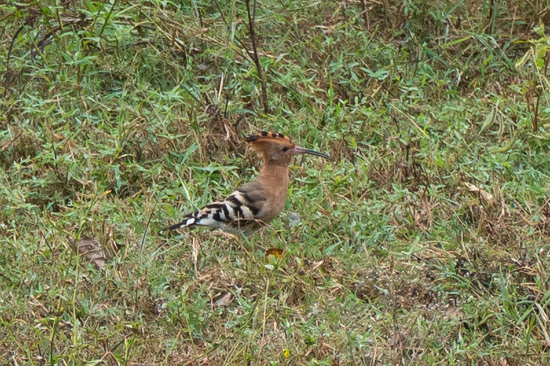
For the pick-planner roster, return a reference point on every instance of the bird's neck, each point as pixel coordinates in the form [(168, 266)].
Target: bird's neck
[(275, 175)]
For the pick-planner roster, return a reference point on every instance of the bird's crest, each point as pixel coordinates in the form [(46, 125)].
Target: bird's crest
[(272, 137)]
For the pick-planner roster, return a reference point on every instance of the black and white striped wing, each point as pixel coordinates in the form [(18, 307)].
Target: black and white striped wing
[(242, 209)]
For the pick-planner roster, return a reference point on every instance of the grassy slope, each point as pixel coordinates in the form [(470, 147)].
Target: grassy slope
[(111, 120)]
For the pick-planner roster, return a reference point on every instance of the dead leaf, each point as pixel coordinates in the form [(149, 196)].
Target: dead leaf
[(223, 301), (275, 252), (91, 249), (471, 187), (317, 265), (488, 197), (453, 312)]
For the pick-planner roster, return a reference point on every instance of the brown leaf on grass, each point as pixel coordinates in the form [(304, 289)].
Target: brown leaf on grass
[(223, 301), (453, 312), (317, 265), (471, 187), (488, 197), (91, 249), (275, 252)]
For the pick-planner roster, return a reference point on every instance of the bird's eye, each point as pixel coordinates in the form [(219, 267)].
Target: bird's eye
[(285, 148)]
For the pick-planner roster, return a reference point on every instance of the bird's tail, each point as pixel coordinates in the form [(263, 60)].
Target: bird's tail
[(190, 220)]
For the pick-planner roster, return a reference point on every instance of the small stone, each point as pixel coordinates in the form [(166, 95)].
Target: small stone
[(294, 219)]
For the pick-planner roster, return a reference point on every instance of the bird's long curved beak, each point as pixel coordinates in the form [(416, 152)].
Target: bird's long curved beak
[(300, 150)]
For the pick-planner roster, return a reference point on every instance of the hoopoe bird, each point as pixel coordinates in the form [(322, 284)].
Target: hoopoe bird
[(258, 202)]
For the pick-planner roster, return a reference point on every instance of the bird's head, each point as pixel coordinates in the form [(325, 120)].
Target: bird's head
[(278, 149)]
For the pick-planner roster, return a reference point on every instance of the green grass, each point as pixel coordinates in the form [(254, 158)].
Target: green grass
[(117, 118)]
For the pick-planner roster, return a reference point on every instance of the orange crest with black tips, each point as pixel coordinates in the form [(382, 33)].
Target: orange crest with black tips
[(266, 136), (275, 147)]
